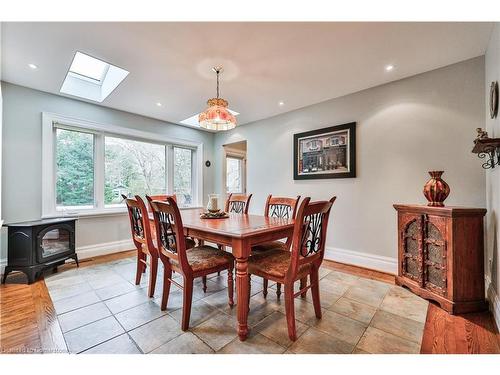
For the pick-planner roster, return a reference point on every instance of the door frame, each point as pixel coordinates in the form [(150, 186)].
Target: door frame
[(228, 151)]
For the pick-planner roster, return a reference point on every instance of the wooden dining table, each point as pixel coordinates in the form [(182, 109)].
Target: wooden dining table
[(239, 232)]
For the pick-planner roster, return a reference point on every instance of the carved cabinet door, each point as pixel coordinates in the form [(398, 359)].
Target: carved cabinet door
[(434, 254), (410, 230)]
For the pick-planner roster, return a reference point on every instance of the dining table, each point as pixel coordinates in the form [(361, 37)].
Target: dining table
[(239, 232)]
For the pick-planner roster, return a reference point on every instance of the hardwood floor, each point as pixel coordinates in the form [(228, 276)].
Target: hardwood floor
[(28, 321), (29, 324), (474, 333)]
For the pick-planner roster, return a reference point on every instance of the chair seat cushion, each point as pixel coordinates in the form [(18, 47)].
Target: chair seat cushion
[(205, 257), (273, 245), (274, 264)]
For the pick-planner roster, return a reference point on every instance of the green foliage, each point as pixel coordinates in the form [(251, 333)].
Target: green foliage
[(75, 168), (131, 168)]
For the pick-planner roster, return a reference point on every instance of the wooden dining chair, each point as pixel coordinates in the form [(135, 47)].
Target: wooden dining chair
[(159, 197), (308, 249), (281, 207), (143, 241), (238, 203), (200, 261), (190, 242)]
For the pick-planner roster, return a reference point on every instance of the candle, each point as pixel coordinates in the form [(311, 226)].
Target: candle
[(213, 202)]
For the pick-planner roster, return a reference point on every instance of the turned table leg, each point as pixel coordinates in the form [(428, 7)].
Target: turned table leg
[(241, 251)]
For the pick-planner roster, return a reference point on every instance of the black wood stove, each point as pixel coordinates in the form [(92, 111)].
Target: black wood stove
[(34, 246)]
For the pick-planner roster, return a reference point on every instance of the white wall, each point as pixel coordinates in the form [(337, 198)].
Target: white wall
[(492, 73), (22, 151), (404, 129)]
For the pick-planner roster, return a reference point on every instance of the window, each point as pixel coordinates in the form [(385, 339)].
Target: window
[(183, 171), (86, 167), (234, 175), (91, 78), (75, 169), (87, 67), (131, 168)]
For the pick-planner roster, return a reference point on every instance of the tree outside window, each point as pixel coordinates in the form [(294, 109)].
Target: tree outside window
[(133, 168), (75, 169), (183, 186)]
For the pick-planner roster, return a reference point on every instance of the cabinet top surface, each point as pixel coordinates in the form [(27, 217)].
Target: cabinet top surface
[(35, 223), (446, 210)]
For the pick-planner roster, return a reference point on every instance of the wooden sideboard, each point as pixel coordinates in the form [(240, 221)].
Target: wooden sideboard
[(441, 255)]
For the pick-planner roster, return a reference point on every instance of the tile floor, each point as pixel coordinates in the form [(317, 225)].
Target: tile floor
[(100, 310)]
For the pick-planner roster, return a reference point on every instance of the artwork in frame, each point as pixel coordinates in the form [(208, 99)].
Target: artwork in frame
[(325, 153)]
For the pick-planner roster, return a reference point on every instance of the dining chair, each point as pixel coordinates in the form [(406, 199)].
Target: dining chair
[(198, 262), (280, 207), (190, 242), (159, 197), (304, 259), (238, 203), (143, 241)]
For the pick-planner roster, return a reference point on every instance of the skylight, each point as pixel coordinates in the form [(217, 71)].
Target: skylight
[(88, 67), (193, 120), (91, 78)]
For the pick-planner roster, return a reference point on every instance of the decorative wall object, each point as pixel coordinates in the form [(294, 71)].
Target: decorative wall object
[(325, 153), (436, 190), (493, 99), (487, 148)]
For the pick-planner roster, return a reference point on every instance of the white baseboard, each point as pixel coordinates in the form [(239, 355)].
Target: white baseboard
[(494, 300), (105, 248), (85, 252), (355, 258), (375, 262)]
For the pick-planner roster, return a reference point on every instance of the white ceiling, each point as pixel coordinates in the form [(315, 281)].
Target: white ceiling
[(265, 63)]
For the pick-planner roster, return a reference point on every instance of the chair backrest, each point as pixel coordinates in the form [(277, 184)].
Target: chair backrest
[(139, 223), (309, 234), (238, 203), (170, 233), (281, 207), (160, 197)]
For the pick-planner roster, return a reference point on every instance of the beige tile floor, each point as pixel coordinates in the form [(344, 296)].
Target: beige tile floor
[(100, 310)]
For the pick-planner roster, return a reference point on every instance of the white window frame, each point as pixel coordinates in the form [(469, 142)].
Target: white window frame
[(193, 167), (236, 154), (51, 121)]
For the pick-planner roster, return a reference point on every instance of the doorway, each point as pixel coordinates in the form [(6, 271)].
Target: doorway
[(235, 168)]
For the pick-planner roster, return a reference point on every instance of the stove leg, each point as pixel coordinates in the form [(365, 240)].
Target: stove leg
[(31, 276), (5, 273)]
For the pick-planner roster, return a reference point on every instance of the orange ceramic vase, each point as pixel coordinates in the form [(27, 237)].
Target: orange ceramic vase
[(436, 190)]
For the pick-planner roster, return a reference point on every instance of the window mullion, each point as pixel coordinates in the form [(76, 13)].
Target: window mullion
[(170, 168), (99, 171), (194, 190)]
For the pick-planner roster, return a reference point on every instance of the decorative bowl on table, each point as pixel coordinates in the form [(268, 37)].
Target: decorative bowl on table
[(214, 214)]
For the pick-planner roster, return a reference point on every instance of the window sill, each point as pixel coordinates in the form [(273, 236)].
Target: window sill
[(102, 213)]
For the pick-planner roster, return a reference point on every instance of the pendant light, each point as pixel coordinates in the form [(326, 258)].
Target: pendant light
[(217, 116)]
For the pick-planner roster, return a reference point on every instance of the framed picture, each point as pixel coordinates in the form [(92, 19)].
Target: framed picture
[(325, 153)]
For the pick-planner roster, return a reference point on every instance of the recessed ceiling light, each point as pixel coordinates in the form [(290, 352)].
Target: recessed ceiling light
[(159, 104), (388, 68), (33, 66), (281, 103)]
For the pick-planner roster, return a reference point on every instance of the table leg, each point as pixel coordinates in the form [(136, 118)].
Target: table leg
[(242, 280)]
